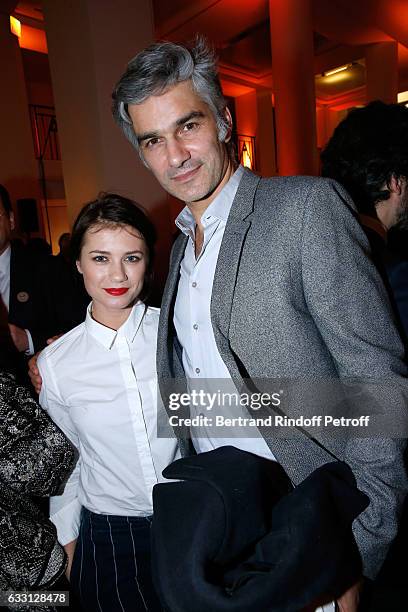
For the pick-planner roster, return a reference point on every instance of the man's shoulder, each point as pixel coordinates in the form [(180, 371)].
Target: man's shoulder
[(298, 185), (297, 194)]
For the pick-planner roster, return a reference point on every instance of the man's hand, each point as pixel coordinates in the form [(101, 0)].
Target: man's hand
[(34, 373), (348, 602), (53, 338), (19, 337)]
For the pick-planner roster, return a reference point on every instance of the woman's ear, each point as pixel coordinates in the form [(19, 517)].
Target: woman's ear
[(78, 265)]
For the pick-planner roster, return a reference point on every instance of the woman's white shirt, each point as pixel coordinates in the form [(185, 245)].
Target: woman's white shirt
[(100, 387)]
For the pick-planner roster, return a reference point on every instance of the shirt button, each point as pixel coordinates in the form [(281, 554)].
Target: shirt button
[(197, 370), (194, 284), (195, 326)]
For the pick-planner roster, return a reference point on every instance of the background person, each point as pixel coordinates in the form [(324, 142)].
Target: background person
[(24, 323), (35, 460), (63, 289), (368, 155)]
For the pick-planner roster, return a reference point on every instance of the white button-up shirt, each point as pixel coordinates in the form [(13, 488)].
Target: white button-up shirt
[(100, 387), (192, 320)]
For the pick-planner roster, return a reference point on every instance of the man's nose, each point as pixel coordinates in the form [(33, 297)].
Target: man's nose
[(177, 152)]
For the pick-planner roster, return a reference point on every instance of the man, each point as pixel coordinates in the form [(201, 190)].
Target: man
[(259, 282), (23, 321), (368, 155)]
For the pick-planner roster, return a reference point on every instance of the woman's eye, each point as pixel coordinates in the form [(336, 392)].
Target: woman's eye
[(99, 258), (133, 258)]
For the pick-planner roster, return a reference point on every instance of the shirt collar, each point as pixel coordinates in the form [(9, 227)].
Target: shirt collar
[(5, 260), (218, 209), (106, 336)]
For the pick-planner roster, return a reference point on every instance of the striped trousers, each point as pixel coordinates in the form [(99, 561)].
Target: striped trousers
[(111, 570)]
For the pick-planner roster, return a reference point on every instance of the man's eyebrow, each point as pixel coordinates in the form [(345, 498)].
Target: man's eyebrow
[(178, 123), (187, 118), (146, 136)]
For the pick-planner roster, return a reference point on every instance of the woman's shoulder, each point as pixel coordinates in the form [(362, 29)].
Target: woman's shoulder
[(63, 346), (152, 311), (151, 316)]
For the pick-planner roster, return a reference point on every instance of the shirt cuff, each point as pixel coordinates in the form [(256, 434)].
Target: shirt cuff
[(67, 521), (30, 350)]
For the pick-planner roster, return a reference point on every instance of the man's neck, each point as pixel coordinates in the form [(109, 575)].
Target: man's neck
[(197, 209)]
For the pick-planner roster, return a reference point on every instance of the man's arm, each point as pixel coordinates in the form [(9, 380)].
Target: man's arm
[(21, 338), (350, 307)]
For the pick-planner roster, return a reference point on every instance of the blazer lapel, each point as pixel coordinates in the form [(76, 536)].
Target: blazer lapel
[(166, 334), (238, 224)]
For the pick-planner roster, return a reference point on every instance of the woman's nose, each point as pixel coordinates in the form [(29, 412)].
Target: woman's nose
[(118, 273)]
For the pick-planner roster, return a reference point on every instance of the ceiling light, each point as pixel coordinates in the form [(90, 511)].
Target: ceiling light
[(15, 26), (336, 70)]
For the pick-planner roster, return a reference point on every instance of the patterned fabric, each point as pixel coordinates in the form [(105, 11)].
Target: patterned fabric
[(35, 459)]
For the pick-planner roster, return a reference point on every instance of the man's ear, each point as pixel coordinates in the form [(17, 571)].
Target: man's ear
[(228, 117), (144, 162), (12, 221), (395, 184)]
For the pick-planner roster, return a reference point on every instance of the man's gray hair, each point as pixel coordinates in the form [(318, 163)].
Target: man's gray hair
[(161, 66)]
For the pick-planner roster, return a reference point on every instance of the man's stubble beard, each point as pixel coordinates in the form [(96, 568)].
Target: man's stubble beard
[(402, 215)]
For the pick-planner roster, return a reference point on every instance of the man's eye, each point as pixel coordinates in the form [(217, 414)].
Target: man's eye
[(152, 142), (188, 127), (99, 258)]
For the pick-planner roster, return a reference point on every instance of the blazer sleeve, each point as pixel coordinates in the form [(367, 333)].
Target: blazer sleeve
[(65, 509), (351, 309)]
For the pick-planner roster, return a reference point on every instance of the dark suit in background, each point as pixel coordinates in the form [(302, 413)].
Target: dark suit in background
[(27, 310), (64, 293)]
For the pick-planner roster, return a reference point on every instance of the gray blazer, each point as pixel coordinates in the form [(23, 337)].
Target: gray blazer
[(296, 296)]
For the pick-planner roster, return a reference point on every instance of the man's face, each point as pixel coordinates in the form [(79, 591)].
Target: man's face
[(179, 142), (402, 212), (6, 225)]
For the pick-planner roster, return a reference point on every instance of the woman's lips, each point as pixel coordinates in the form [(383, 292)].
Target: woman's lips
[(112, 291)]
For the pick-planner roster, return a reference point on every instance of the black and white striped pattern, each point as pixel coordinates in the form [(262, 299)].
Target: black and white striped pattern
[(111, 569)]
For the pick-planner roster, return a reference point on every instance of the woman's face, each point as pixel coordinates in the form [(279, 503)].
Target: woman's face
[(113, 262)]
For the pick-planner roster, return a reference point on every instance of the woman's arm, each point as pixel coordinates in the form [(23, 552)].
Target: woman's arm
[(65, 508), (70, 550)]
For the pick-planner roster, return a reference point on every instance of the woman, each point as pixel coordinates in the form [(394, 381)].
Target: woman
[(99, 386)]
